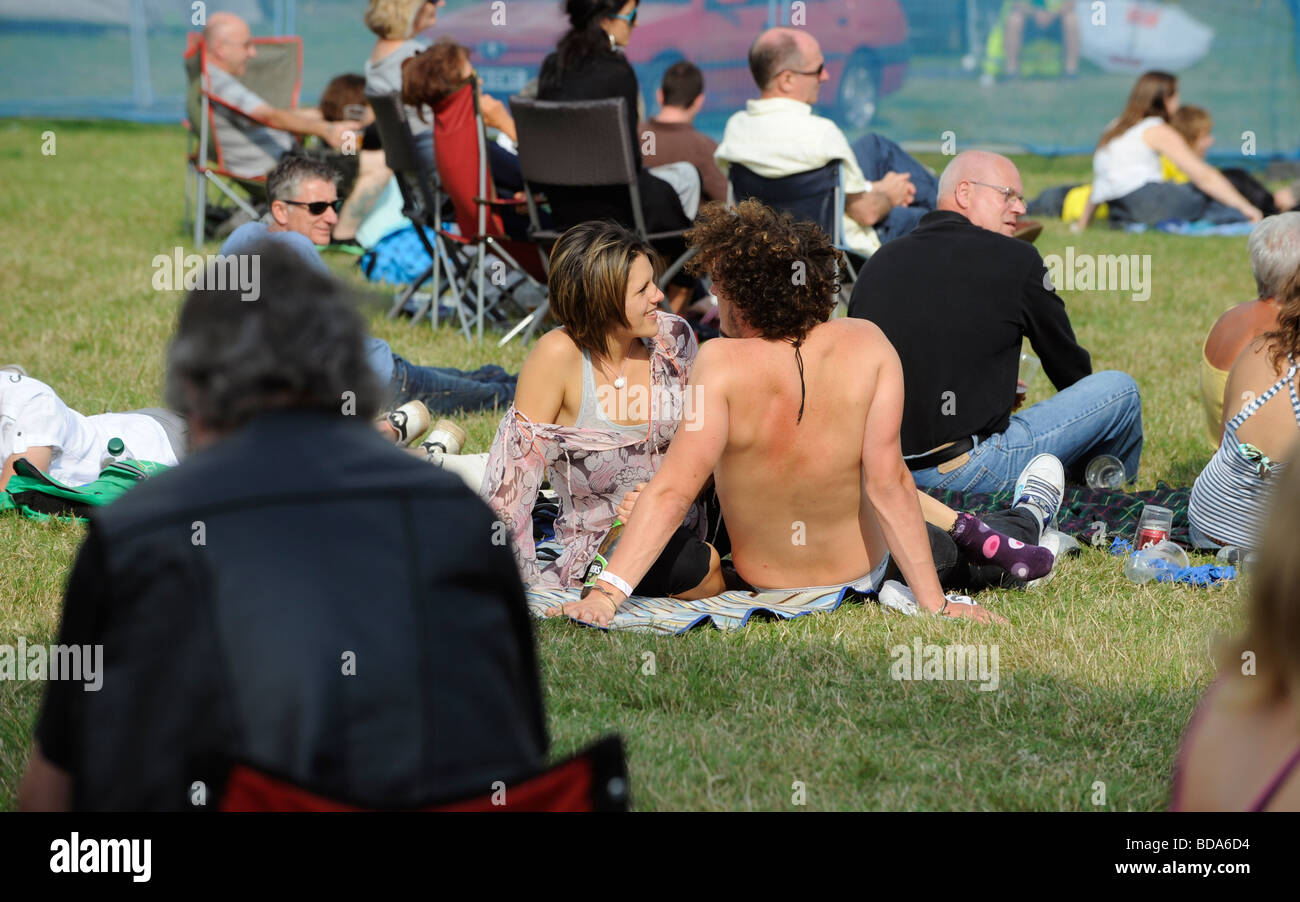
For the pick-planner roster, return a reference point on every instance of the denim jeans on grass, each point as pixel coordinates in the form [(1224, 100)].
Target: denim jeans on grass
[(1100, 414), (1158, 201), (445, 390)]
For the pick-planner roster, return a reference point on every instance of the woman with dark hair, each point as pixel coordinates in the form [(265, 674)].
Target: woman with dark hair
[(598, 401), (588, 64), (1127, 172), (1229, 499)]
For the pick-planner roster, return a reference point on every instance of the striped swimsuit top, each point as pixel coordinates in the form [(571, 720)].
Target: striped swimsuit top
[(1230, 498)]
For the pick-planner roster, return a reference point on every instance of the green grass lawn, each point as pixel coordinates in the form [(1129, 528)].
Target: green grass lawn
[(1097, 675)]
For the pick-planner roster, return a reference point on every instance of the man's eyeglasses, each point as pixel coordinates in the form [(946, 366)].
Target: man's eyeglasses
[(317, 207), (817, 73), (630, 18), (1009, 195)]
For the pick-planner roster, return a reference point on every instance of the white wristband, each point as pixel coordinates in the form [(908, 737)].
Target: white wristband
[(871, 186), (616, 581)]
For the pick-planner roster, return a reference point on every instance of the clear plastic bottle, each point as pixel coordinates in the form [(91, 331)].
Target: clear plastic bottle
[(116, 452), (1236, 556)]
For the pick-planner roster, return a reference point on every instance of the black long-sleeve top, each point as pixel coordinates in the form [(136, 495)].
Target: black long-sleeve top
[(955, 300)]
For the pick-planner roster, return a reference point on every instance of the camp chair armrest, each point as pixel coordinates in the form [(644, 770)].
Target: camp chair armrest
[(507, 202)]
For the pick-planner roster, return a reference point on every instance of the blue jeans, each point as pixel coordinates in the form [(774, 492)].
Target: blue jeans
[(445, 390), (1099, 414), (1157, 201), (878, 156)]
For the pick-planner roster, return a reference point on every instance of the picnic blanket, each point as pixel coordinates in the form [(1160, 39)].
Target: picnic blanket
[(1199, 228), (728, 611), (1082, 507)]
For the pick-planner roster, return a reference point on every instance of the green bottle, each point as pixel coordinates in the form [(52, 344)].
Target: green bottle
[(601, 559)]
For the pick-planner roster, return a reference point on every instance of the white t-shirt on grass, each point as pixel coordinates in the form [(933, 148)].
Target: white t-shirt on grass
[(33, 416)]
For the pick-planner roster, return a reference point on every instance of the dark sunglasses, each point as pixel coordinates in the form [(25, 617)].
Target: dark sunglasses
[(317, 207), (817, 72)]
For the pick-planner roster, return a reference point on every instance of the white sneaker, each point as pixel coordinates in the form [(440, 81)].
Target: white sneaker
[(469, 467), (1061, 545), (446, 437), (1041, 488), (410, 422)]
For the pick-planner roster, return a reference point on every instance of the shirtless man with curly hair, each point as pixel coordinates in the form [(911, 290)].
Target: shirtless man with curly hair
[(798, 422)]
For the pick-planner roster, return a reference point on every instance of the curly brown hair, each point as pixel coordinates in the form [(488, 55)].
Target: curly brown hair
[(1285, 339), (781, 275), (433, 74)]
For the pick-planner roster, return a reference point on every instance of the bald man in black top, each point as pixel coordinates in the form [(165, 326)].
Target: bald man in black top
[(955, 298)]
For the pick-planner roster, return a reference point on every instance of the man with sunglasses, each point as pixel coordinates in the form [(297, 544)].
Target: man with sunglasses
[(304, 208), (956, 298), (886, 190)]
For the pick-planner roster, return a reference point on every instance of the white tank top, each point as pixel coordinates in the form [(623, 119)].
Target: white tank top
[(1125, 164)]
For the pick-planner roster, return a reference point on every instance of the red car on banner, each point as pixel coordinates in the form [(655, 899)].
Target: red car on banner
[(864, 42)]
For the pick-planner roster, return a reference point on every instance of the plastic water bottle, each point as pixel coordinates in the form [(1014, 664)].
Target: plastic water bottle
[(116, 452), (1233, 555)]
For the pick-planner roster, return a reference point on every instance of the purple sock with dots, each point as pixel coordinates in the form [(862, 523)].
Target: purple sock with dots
[(986, 545)]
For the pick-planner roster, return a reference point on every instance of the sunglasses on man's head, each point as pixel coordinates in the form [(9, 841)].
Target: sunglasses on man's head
[(317, 207)]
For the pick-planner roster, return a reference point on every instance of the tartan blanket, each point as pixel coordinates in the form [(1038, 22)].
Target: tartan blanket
[(728, 611), (1082, 507)]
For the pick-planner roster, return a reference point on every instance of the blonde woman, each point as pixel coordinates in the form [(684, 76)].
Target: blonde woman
[(400, 28)]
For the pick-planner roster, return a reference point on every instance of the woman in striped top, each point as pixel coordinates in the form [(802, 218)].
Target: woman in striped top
[(1230, 497)]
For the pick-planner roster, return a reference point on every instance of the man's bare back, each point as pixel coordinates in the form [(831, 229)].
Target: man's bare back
[(811, 500), (792, 491)]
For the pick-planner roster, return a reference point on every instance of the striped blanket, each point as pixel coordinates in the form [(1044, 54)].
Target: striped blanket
[(728, 611)]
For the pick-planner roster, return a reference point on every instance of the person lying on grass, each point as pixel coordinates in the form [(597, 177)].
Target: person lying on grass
[(71, 447), (575, 415)]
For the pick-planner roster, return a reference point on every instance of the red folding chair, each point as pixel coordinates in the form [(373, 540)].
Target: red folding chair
[(595, 779), (460, 150), (275, 74)]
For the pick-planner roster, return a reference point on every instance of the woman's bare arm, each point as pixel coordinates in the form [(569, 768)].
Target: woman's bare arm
[(1164, 139)]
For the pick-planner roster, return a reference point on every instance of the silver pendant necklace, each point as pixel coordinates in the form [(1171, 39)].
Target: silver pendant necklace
[(622, 377)]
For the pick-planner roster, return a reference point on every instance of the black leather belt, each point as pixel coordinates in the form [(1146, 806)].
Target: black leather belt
[(943, 455)]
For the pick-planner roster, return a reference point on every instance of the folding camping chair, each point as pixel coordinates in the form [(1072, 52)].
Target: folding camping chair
[(595, 779), (422, 201), (275, 74), (549, 154), (460, 149), (815, 196)]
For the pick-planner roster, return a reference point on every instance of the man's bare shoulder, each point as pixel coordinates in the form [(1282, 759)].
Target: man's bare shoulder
[(854, 330)]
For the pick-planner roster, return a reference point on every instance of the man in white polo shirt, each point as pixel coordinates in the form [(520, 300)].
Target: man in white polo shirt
[(70, 446), (778, 135)]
